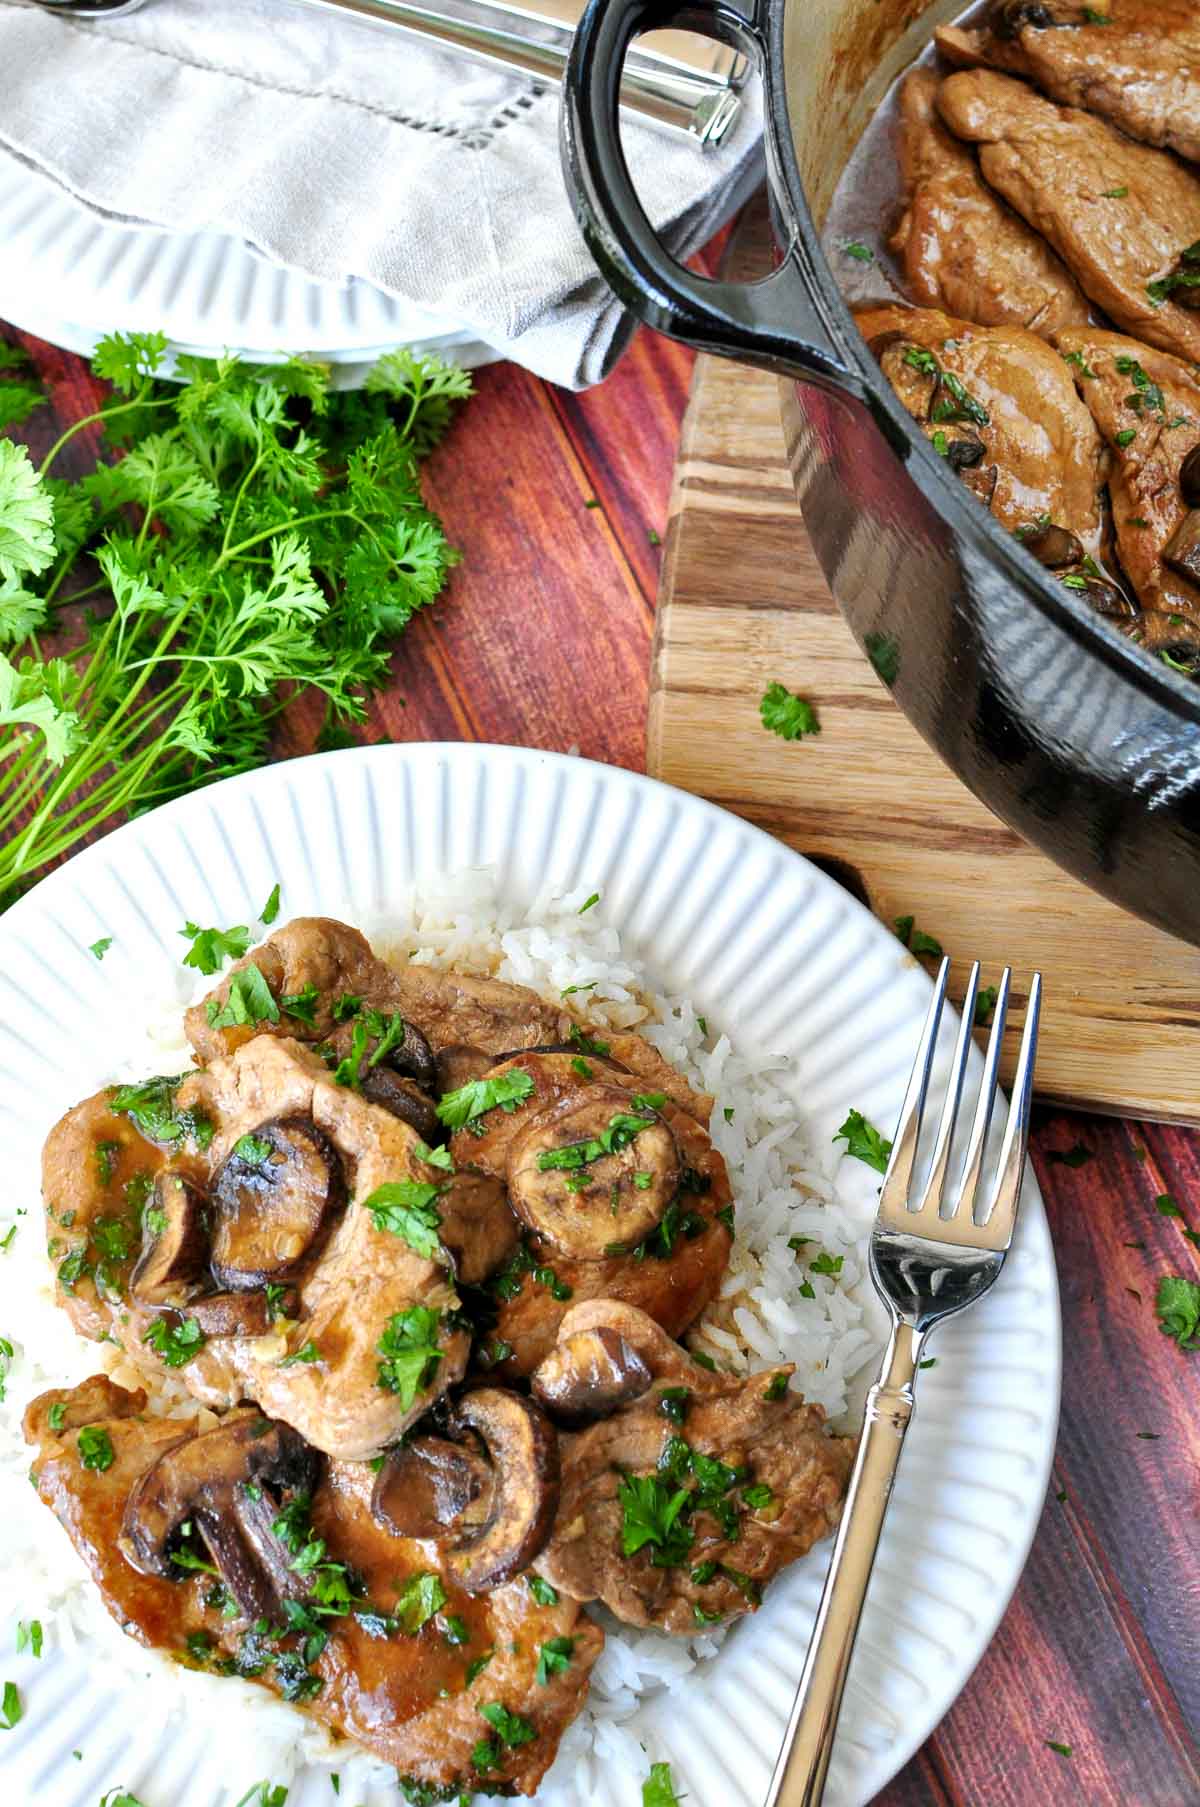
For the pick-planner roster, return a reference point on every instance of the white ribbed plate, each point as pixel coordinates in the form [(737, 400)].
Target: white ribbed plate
[(207, 292), (772, 951)]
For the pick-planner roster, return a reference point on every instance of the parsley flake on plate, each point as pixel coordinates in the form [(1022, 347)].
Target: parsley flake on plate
[(864, 1141), (915, 939), (410, 1352), (212, 947), (658, 1790), (178, 1343), (1177, 1304), (408, 1209), (788, 715), (270, 909), (101, 947)]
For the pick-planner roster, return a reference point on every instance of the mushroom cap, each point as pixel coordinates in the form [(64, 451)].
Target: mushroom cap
[(405, 1099), (425, 1485), (478, 1225), (218, 1482), (590, 1375), (175, 1255), (593, 1170), (270, 1213), (523, 1496)]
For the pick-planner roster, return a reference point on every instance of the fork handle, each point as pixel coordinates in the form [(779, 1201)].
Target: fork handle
[(799, 1778)]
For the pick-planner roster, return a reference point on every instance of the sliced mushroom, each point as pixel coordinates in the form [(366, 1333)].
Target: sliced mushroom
[(1182, 550), (1107, 598), (589, 1376), (1189, 478), (565, 1183), (174, 1242), (1054, 546), (239, 1314), (271, 1211), (518, 1506), (459, 1064), (216, 1482), (425, 1485), (1009, 18), (478, 1225), (406, 1100), (965, 451)]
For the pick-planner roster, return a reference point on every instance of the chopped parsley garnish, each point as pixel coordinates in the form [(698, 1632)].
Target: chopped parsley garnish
[(622, 1129), (175, 1343), (1063, 1750), (915, 939), (542, 1591), (410, 1352), (421, 1597), (101, 947), (249, 1002), (568, 991), (56, 1417), (758, 1496), (152, 1107), (507, 1090), (302, 1004), (29, 1636), (594, 899), (453, 1629), (1165, 1205), (1177, 1305), (346, 1005), (1075, 1156), (827, 1264), (776, 1387), (985, 1003), (1114, 194), (212, 947), (254, 1150), (408, 1209), (306, 1354), (672, 1403), (1146, 395), (270, 909), (861, 253), (705, 1361), (579, 1065), (478, 1664), (1126, 436), (509, 1728), (1080, 362), (95, 1447), (1185, 276), (786, 714), (434, 1157), (554, 1658), (651, 1515), (11, 1709), (588, 1044), (864, 1142), (658, 1790), (884, 653), (106, 1154)]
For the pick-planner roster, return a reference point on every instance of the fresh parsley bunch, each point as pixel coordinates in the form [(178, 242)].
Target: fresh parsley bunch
[(259, 534)]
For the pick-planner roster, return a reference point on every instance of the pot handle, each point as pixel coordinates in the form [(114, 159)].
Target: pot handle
[(774, 323)]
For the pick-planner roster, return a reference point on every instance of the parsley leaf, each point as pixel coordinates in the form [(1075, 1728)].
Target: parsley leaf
[(658, 1790), (101, 947), (864, 1141), (408, 1210), (249, 1002), (421, 1597), (510, 1728), (410, 1352), (541, 1590), (651, 1515), (212, 947), (270, 909), (175, 1343), (554, 1658), (12, 1710), (507, 1090), (786, 714), (1178, 1307), (95, 1447), (916, 940)]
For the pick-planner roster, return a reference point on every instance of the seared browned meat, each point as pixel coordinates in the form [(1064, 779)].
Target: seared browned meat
[(393, 1673), (449, 1009), (343, 1369), (961, 248), (1147, 406), (1119, 214), (588, 1235), (1005, 398), (1137, 62), (760, 1480)]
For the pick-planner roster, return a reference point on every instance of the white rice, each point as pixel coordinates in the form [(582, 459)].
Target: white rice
[(783, 1187)]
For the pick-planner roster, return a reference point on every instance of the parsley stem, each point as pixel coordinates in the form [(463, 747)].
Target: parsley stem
[(90, 420)]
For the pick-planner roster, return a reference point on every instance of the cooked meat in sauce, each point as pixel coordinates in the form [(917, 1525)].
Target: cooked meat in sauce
[(1119, 214), (761, 1480), (1147, 406), (1137, 63), (377, 1638), (645, 1218), (961, 248), (320, 1260), (1000, 405)]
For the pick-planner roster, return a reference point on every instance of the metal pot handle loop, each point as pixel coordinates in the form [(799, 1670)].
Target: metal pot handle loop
[(772, 323)]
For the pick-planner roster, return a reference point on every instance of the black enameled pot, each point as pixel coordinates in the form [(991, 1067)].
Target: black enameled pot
[(1086, 745)]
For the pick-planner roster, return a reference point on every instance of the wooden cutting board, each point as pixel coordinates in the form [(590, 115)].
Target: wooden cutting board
[(742, 602)]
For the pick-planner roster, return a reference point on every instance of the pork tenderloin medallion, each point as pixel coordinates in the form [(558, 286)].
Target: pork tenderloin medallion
[(1119, 214), (418, 1671), (961, 247), (1135, 62), (691, 1489)]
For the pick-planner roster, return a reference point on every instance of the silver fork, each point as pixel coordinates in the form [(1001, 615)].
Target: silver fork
[(931, 1256)]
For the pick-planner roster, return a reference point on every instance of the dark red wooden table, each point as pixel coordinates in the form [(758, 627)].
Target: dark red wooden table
[(543, 640)]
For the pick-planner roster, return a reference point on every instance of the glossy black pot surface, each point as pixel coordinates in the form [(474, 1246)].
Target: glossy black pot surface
[(1084, 744)]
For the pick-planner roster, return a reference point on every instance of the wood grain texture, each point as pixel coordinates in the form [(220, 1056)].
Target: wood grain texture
[(743, 603), (1099, 1649)]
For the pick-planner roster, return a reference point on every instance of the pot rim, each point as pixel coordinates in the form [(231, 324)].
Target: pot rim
[(974, 526)]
